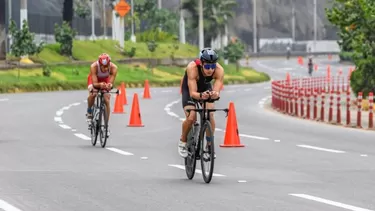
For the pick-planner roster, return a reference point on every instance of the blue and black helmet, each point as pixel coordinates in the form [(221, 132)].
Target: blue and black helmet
[(208, 55)]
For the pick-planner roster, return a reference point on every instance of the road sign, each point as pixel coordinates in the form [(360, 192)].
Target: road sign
[(122, 8)]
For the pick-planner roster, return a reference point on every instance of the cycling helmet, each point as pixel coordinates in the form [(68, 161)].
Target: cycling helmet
[(104, 59), (208, 55)]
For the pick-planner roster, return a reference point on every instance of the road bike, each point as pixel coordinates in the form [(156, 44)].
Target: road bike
[(195, 141), (97, 126)]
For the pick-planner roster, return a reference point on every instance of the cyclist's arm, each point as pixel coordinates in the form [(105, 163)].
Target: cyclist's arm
[(113, 74), (219, 78), (94, 78), (192, 82)]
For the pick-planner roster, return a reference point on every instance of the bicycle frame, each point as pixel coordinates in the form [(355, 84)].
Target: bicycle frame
[(100, 99), (204, 113)]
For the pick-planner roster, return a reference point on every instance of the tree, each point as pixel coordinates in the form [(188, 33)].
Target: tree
[(356, 22), (65, 36), (68, 12), (234, 52), (82, 8), (217, 13), (23, 41)]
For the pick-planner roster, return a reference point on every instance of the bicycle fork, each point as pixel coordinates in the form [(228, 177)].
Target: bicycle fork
[(194, 141)]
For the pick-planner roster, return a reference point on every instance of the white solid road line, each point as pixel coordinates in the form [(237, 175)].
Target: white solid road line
[(119, 151), (321, 149), (196, 170), (333, 203), (7, 207), (4, 99)]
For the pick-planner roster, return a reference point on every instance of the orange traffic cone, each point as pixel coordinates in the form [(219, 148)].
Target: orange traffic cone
[(146, 92), (123, 94), (232, 139), (119, 108), (135, 116)]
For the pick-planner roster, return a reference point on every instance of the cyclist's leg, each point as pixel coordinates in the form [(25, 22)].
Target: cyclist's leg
[(187, 103), (107, 101), (90, 100)]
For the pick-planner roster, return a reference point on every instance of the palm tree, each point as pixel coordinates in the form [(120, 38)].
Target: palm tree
[(216, 15)]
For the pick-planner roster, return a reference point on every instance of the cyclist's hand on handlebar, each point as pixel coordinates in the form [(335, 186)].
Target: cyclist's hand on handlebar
[(214, 94), (109, 86), (102, 85), (205, 95)]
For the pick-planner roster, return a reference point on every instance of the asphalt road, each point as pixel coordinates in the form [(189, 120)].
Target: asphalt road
[(47, 161)]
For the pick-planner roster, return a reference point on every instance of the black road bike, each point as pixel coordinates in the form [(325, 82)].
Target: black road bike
[(195, 141), (97, 125)]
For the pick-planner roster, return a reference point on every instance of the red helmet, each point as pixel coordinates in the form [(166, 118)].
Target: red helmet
[(104, 59)]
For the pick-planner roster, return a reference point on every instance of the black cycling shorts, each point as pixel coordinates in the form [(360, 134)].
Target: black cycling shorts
[(187, 100)]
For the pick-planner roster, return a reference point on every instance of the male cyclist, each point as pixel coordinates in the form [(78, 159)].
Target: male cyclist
[(102, 76), (196, 85)]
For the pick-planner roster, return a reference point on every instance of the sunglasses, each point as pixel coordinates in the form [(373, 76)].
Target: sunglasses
[(209, 66)]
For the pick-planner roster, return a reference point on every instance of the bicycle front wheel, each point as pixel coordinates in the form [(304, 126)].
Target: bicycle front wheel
[(190, 160), (94, 128), (207, 152), (104, 126)]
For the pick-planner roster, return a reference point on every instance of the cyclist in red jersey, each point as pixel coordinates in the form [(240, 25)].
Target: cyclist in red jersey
[(102, 76)]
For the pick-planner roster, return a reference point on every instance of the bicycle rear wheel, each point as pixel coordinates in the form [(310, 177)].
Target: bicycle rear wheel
[(94, 127), (208, 150), (190, 160), (103, 126)]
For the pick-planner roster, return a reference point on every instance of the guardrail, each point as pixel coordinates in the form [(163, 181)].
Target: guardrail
[(326, 99)]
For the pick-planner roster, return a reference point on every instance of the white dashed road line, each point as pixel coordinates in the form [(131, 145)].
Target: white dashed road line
[(196, 170), (7, 207), (329, 202), (82, 136), (119, 151), (65, 126), (321, 149)]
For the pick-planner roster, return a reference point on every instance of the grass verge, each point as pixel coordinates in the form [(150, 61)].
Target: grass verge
[(73, 77), (86, 50)]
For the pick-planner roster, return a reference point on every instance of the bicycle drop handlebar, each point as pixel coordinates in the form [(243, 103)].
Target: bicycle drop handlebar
[(103, 91), (209, 110)]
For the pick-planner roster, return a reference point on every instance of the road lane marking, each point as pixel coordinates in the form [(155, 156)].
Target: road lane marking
[(254, 137), (326, 201), (65, 126), (7, 207), (4, 99), (82, 136), (119, 151), (196, 170), (321, 149)]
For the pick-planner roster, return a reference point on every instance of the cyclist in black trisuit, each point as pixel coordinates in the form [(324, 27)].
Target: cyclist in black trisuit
[(196, 84)]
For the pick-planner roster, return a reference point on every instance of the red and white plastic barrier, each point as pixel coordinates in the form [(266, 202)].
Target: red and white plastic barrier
[(328, 98)]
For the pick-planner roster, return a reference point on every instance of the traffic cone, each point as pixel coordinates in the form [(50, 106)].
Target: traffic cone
[(135, 116), (232, 139), (119, 108), (146, 92), (123, 94)]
